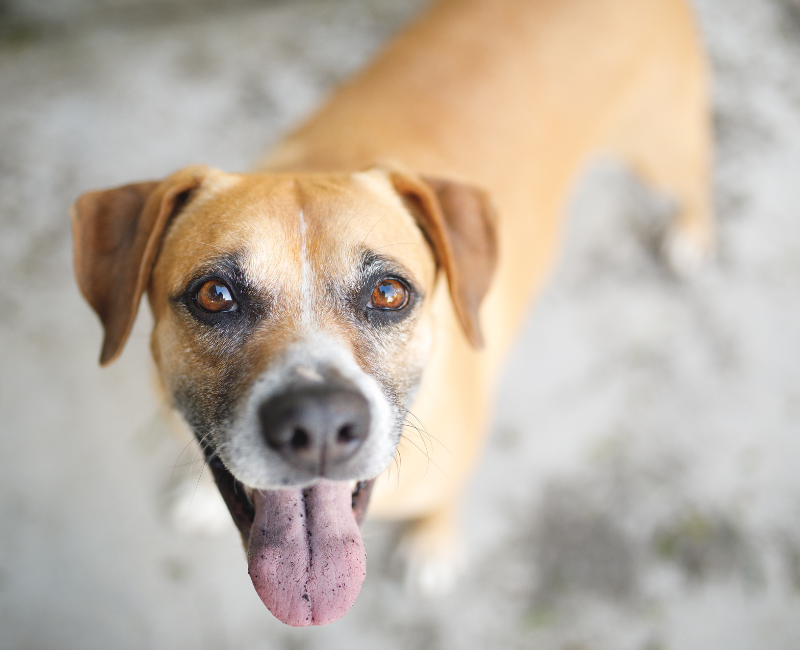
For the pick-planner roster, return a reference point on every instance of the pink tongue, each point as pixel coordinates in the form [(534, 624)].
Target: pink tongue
[(305, 557)]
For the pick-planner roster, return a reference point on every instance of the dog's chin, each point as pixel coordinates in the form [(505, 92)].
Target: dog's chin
[(304, 549)]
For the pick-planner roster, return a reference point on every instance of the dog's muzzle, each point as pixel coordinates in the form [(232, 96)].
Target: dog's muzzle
[(313, 414)]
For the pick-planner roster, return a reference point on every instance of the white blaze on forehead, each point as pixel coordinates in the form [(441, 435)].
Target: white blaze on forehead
[(306, 300), (278, 261)]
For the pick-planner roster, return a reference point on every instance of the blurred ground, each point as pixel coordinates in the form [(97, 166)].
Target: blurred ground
[(640, 489)]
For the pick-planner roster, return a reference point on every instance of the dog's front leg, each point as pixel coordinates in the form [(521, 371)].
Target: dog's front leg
[(433, 552)]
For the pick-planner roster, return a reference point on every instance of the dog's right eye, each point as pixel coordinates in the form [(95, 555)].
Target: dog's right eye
[(215, 296)]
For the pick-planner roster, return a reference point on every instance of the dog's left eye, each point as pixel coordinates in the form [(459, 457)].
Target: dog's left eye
[(389, 293), (215, 296)]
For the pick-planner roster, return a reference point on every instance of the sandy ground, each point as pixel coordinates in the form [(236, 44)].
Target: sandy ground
[(640, 488)]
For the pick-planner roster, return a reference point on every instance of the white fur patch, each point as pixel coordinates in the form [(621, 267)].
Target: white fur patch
[(306, 297), (247, 455)]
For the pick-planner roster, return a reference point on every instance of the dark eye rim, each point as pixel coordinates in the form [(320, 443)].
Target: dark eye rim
[(195, 294)]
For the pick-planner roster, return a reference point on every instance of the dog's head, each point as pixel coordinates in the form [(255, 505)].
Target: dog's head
[(291, 331)]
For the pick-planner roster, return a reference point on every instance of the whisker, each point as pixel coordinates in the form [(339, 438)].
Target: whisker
[(430, 460), (185, 447), (431, 437), (397, 462), (189, 463), (417, 419), (200, 445), (427, 457), (371, 229), (197, 483), (422, 437)]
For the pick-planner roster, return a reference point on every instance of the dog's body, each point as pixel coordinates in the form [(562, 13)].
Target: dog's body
[(295, 265)]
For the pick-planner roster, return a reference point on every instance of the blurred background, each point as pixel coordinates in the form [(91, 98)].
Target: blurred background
[(641, 485)]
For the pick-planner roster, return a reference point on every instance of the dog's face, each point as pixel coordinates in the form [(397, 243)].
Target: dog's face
[(291, 331), (291, 325)]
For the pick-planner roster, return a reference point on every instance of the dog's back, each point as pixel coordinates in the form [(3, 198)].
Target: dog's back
[(516, 96)]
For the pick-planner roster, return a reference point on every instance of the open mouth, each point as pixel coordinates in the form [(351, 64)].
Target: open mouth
[(305, 554), (240, 505)]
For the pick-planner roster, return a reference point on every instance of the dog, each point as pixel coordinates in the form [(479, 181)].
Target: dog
[(369, 277)]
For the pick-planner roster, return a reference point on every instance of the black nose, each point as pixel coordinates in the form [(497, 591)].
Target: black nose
[(316, 428)]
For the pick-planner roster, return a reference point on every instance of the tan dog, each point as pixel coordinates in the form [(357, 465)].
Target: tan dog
[(307, 314)]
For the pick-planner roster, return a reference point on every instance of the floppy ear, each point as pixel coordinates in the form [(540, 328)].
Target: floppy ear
[(460, 224), (116, 237)]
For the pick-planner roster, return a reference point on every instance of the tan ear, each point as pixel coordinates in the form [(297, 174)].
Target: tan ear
[(460, 224), (116, 237)]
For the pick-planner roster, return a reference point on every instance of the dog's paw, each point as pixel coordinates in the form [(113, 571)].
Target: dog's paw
[(433, 560), (194, 507), (686, 251), (433, 577)]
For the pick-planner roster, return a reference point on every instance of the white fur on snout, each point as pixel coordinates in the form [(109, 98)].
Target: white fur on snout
[(244, 450)]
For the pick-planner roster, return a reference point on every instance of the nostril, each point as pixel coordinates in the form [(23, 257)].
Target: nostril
[(346, 434), (300, 439)]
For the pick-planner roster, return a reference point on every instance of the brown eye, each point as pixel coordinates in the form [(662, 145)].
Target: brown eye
[(215, 296), (389, 294)]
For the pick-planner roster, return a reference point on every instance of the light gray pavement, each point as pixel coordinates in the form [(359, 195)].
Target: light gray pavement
[(641, 486)]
